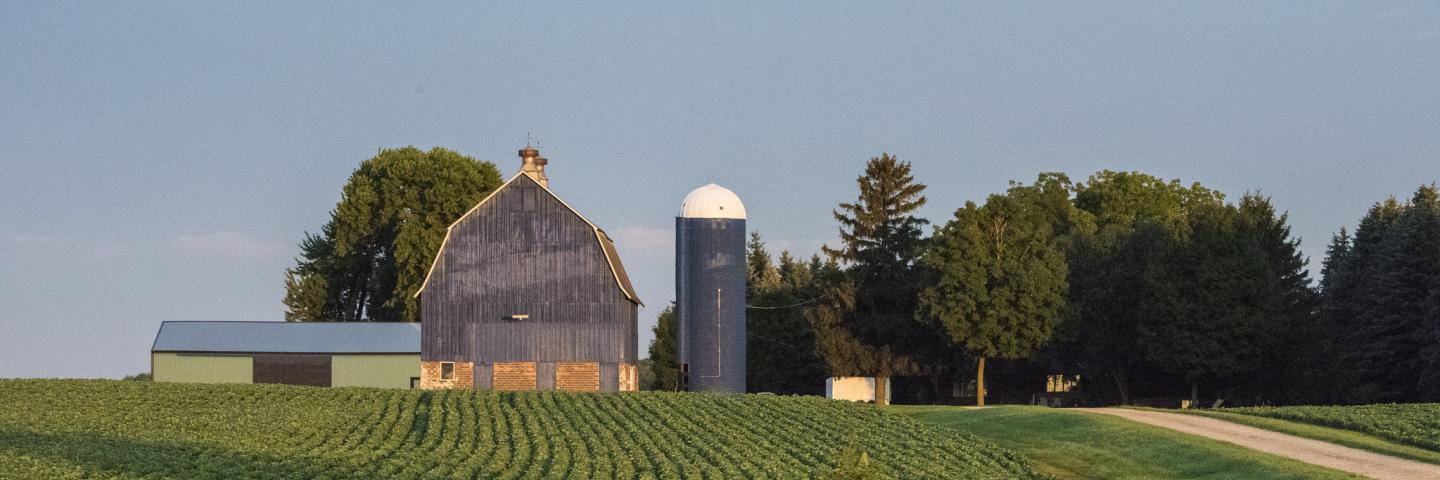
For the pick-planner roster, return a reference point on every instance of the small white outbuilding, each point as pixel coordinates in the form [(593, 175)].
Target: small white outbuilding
[(855, 389)]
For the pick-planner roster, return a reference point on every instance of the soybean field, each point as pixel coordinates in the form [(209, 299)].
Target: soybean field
[(1415, 424), (112, 429)]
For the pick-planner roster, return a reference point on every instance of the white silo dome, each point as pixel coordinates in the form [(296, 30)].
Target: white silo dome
[(712, 201)]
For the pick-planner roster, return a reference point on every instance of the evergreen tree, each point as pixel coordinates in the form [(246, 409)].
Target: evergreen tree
[(1001, 279), (780, 345), (372, 255), (1430, 377), (1337, 314), (1396, 326), (1352, 294), (761, 275), (1295, 361), (867, 324), (663, 352)]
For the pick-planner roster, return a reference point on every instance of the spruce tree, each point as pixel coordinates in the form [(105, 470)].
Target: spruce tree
[(1337, 314), (1397, 328), (761, 275), (780, 345), (867, 326), (1430, 377), (1294, 362)]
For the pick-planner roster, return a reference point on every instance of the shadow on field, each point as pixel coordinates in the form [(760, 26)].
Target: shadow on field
[(100, 454)]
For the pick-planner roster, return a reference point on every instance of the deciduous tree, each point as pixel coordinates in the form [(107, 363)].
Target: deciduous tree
[(1134, 215), (1000, 279), (370, 258)]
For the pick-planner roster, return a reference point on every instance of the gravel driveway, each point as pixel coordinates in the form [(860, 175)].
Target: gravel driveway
[(1325, 454)]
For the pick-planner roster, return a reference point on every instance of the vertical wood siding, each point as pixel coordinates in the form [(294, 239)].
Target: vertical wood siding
[(525, 253), (545, 376)]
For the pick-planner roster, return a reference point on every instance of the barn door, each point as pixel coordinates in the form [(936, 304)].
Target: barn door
[(293, 369)]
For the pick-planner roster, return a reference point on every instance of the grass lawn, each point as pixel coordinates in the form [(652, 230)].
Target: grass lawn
[(1072, 444), (1337, 436)]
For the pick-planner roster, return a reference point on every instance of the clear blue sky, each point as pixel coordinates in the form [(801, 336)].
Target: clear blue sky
[(160, 161)]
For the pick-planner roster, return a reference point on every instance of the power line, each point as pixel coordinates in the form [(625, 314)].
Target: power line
[(793, 305)]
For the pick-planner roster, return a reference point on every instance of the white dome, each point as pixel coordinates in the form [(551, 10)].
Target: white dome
[(712, 201)]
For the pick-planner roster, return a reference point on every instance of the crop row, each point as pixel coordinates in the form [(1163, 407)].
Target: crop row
[(103, 429), (1415, 424)]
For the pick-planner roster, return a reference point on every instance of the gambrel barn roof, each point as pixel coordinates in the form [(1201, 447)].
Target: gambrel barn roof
[(612, 257)]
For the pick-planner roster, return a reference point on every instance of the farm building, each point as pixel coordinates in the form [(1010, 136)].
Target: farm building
[(710, 290), (525, 293), (319, 354)]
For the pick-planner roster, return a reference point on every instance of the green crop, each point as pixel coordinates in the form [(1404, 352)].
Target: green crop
[(1415, 424), (111, 429)]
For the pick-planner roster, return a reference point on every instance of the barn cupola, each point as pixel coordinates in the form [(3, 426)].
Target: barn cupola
[(532, 164)]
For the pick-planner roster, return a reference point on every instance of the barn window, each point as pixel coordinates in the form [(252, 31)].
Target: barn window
[(447, 370), (1061, 383)]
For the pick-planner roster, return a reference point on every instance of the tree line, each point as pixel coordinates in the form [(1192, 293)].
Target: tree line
[(1144, 287)]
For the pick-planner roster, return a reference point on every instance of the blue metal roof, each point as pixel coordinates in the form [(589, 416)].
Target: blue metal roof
[(288, 337)]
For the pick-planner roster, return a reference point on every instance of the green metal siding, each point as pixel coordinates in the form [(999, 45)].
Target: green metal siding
[(384, 371), (200, 368)]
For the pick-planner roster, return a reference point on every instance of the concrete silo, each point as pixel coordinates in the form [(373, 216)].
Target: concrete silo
[(710, 290)]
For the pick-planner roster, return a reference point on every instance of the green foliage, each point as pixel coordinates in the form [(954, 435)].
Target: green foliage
[(1415, 424), (1134, 216), (780, 344), (866, 325), (1205, 309), (1072, 445), (1000, 282), (664, 352), (1397, 325), (1001, 278), (1296, 362), (1229, 300), (370, 258), (139, 377), (163, 430), (852, 464), (1380, 298)]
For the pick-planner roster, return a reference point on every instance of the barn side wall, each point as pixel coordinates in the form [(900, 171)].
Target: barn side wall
[(374, 370), (201, 368)]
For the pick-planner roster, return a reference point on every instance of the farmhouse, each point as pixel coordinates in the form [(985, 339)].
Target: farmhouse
[(525, 294), (319, 354)]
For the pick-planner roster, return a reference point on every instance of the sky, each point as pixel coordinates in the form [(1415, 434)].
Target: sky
[(162, 160)]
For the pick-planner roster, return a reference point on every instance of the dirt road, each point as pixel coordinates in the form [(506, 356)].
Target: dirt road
[(1330, 455)]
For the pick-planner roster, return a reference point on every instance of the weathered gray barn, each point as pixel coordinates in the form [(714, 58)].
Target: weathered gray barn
[(525, 294)]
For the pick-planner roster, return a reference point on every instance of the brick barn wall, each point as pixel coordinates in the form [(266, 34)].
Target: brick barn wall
[(464, 378)]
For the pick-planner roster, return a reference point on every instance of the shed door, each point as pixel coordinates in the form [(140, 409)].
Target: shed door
[(293, 369)]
